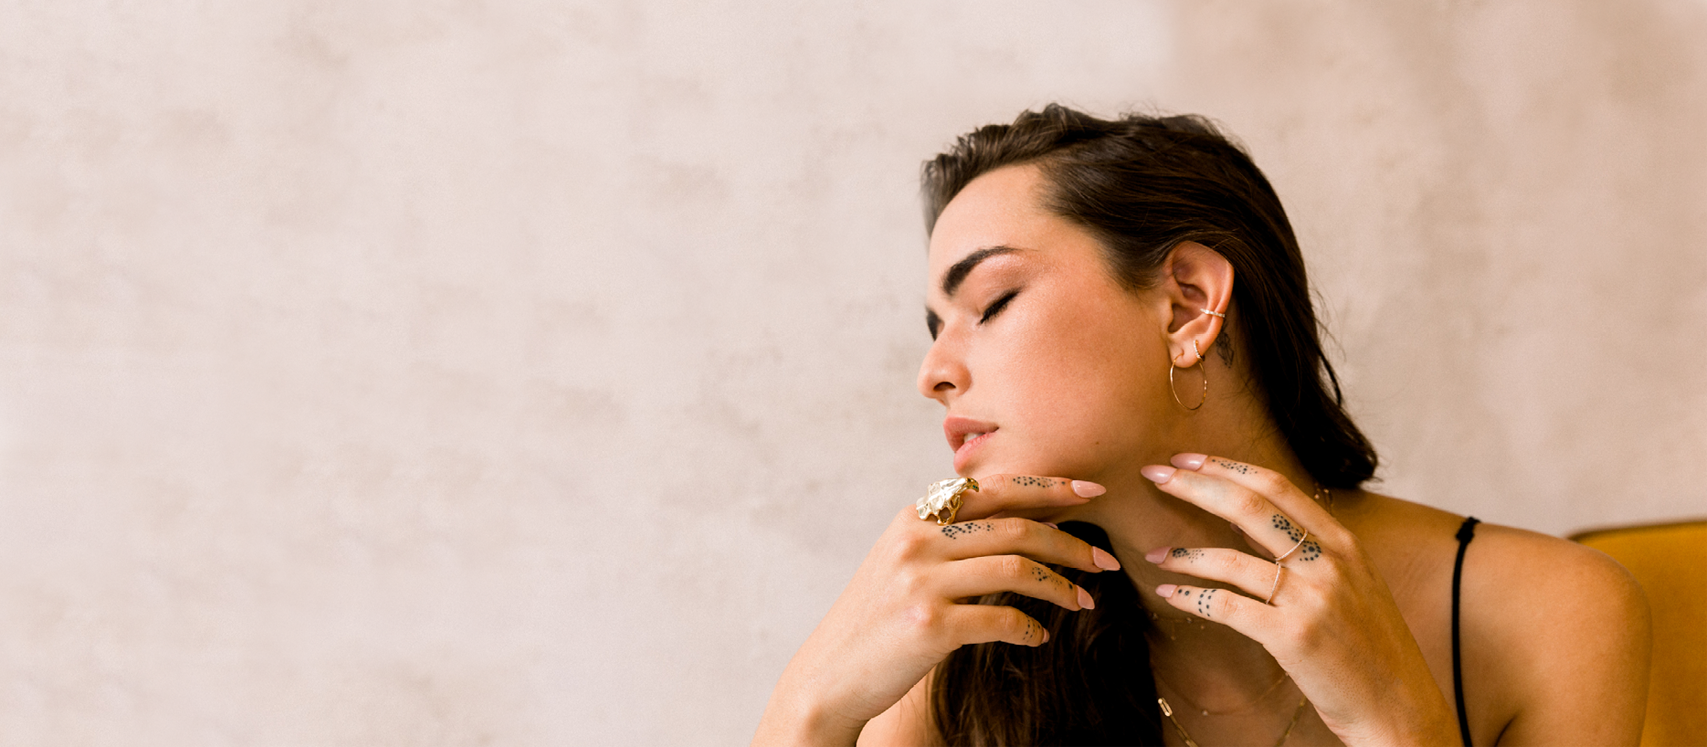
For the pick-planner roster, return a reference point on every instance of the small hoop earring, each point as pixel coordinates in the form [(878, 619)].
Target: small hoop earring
[(1202, 369), (1212, 312)]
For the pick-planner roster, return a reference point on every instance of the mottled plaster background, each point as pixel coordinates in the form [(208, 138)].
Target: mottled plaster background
[(537, 372)]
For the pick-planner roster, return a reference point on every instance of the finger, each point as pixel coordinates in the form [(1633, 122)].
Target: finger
[(1299, 503), (1250, 511), (986, 623), (1240, 613), (1020, 494), (1252, 575), (975, 577), (1035, 540)]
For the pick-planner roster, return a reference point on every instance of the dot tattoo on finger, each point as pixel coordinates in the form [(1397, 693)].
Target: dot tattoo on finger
[(1203, 601), (1243, 469), (1186, 553), (1027, 481), (1043, 576), (955, 531), (1285, 525), (1310, 551)]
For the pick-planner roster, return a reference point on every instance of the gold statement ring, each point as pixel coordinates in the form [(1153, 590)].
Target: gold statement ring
[(942, 499)]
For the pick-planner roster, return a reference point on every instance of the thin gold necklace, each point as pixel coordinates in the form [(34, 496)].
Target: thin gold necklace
[(1256, 701), (1189, 742)]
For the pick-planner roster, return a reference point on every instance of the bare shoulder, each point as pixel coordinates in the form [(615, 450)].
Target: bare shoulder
[(1535, 592), (1536, 565), (1554, 634), (1557, 635)]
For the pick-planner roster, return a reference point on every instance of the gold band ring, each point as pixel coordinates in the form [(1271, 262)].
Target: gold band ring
[(1301, 541), (1279, 568)]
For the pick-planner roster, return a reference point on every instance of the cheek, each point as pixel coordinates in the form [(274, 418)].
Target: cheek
[(1089, 390)]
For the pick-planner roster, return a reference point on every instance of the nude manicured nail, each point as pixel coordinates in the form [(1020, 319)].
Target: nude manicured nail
[(1166, 590), (1157, 473), (1051, 524), (1192, 462), (1104, 560), (1156, 555), (1088, 489), (1085, 601)]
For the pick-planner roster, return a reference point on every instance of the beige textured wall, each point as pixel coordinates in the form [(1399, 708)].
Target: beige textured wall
[(537, 372)]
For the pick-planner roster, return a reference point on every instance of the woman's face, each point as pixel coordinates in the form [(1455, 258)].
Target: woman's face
[(1037, 347)]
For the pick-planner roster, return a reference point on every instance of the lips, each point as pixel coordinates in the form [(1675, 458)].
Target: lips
[(964, 435)]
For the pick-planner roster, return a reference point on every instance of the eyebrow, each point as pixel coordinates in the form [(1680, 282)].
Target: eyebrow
[(957, 273)]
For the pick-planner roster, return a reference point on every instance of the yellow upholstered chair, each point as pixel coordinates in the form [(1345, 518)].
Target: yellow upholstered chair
[(1670, 561)]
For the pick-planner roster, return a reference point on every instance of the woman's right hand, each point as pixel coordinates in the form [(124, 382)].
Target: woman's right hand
[(906, 608)]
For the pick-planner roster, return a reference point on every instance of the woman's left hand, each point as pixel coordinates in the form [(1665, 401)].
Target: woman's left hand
[(1326, 616)]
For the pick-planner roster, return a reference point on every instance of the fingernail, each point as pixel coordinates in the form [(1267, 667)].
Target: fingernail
[(1104, 560), (1088, 489), (1045, 637), (1192, 462), (1156, 555), (1157, 473), (1165, 590), (1051, 525), (1085, 600)]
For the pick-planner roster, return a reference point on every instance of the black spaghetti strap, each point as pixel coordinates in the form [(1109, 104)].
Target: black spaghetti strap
[(1465, 534)]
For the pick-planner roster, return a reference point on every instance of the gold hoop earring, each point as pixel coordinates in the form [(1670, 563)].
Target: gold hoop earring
[(1202, 369)]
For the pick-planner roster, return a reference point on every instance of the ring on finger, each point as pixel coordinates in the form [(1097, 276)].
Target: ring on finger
[(942, 499), (1279, 568), (1301, 541)]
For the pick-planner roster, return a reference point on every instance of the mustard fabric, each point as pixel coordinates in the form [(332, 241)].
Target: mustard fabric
[(1670, 562)]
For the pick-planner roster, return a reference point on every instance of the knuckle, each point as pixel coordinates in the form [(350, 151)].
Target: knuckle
[(1272, 482), (1335, 567), (921, 617), (909, 580), (1338, 536), (1016, 623), (1307, 636), (1011, 530), (1225, 561), (1225, 609), (1249, 503), (1012, 566), (910, 545)]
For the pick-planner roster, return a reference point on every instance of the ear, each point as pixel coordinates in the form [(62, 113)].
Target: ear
[(1196, 281)]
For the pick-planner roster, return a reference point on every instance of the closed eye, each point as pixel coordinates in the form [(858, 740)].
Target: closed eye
[(993, 309)]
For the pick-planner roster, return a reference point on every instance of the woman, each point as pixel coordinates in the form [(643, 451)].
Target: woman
[(1167, 540)]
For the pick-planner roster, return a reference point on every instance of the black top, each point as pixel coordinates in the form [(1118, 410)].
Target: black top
[(1465, 534)]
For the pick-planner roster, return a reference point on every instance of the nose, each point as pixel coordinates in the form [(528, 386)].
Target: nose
[(943, 372)]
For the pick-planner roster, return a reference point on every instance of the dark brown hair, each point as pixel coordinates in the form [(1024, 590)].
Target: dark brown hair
[(1141, 185)]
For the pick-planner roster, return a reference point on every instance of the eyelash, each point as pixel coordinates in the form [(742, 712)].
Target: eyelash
[(993, 309)]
